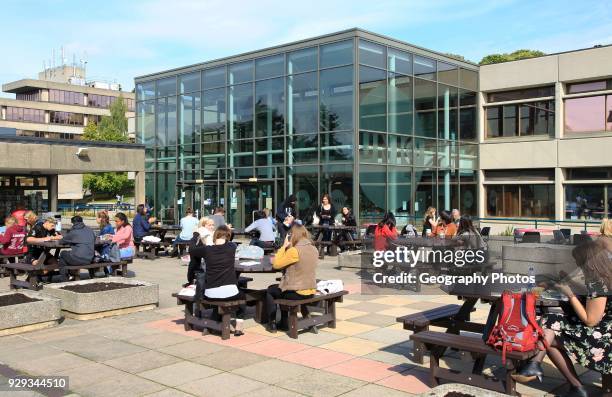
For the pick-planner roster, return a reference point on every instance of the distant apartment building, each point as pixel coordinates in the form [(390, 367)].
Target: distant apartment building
[(545, 145), (58, 105)]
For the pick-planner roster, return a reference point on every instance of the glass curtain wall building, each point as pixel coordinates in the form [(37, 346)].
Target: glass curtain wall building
[(376, 123)]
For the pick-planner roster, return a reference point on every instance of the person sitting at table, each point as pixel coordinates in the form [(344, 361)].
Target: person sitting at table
[(205, 231), (106, 231), (124, 236), (583, 330), (13, 238), (82, 241), (456, 216), (468, 235), (385, 231), (347, 219), (298, 258), (266, 230), (445, 228), (285, 215), (188, 225), (40, 231), (142, 224), (430, 222), (326, 212), (219, 217), (268, 213), (220, 279), (19, 214)]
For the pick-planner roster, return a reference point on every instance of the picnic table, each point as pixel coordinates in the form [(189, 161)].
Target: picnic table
[(58, 245), (427, 242), (333, 243), (161, 230), (264, 265)]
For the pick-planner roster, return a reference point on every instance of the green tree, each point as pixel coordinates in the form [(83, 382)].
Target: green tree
[(513, 56), (112, 128)]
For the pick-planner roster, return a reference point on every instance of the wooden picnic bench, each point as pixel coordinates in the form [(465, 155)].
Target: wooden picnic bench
[(150, 249), (437, 342), (33, 272), (7, 259), (441, 316), (326, 302)]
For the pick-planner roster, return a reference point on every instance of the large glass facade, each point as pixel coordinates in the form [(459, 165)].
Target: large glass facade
[(378, 128)]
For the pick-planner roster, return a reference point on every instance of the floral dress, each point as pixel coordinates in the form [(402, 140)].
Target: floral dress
[(591, 347)]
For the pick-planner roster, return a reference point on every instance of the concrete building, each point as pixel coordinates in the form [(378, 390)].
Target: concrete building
[(58, 105), (545, 137)]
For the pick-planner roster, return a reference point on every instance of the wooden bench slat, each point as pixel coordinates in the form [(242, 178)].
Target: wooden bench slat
[(316, 298)]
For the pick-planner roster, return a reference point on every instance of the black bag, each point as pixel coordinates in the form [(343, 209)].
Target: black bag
[(200, 284)]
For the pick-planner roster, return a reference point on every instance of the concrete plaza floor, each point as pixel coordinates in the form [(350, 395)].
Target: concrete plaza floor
[(149, 353)]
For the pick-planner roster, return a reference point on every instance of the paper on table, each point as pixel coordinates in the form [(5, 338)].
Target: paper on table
[(249, 263)]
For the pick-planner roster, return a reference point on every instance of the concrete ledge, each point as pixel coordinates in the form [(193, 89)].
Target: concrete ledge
[(85, 306), (29, 316)]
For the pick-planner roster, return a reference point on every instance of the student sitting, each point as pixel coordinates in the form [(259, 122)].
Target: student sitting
[(13, 238), (446, 227), (298, 258), (385, 231), (40, 231), (142, 225), (106, 232), (82, 242), (205, 231), (124, 236), (266, 231), (188, 225)]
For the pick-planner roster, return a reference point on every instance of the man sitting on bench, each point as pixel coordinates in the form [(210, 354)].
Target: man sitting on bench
[(265, 227), (40, 231), (298, 257), (82, 242)]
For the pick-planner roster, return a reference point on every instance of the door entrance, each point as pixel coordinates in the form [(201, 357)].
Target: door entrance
[(202, 198), (245, 199)]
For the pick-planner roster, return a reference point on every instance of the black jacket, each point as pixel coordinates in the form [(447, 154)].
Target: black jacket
[(220, 261), (82, 241)]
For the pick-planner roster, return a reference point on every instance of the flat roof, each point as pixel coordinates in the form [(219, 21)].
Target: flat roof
[(344, 34), (552, 54), (25, 85), (70, 142)]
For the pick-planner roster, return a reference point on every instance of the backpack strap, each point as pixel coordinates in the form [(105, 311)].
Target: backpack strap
[(530, 315)]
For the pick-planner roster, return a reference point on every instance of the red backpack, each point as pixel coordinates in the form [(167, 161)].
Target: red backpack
[(516, 328)]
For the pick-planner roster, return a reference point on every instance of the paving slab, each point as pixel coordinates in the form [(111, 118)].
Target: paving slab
[(143, 361), (123, 385), (191, 349), (158, 340), (271, 391), (106, 351), (377, 320), (387, 336), (179, 373), (49, 365), (273, 371), (81, 377), (354, 346), (217, 385), (169, 393), (322, 385), (229, 359), (371, 390)]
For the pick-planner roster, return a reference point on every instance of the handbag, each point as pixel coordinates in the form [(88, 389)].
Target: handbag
[(114, 254), (315, 219)]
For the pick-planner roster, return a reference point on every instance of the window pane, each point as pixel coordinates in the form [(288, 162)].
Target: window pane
[(448, 74), (425, 152), (448, 190), (609, 112), (371, 54), (213, 157), (270, 66), (241, 111), (447, 112), (467, 115), (304, 182), (270, 107), (399, 61), (586, 87), (172, 120), (372, 192), (372, 99), (400, 104), (494, 126), (425, 108), (399, 150), (214, 78), (510, 120), (336, 109), (303, 149), (166, 86), (424, 67), (241, 72), (302, 61), (162, 123), (537, 118), (337, 181), (164, 202), (337, 146), (527, 93), (190, 82), (425, 190), (372, 148), (538, 201), (144, 91), (468, 198), (399, 181), (447, 154), (190, 119), (585, 114), (584, 201), (303, 103), (240, 153), (270, 150), (337, 54), (213, 114), (469, 79), (468, 156)]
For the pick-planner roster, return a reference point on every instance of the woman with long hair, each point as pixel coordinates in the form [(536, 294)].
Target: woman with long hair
[(205, 231), (430, 221), (385, 231), (124, 236), (142, 224), (468, 235), (104, 222), (286, 214), (582, 332), (298, 258), (446, 227), (326, 214)]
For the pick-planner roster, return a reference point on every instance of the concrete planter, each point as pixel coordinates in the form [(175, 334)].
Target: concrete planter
[(442, 390), (29, 316), (544, 258), (87, 306)]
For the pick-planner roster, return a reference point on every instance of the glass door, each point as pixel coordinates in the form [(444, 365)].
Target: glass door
[(245, 199)]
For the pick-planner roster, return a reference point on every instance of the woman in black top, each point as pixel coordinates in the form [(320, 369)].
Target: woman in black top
[(348, 219), (430, 222), (326, 214), (285, 215)]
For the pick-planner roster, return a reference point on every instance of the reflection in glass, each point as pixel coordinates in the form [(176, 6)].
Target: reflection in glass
[(469, 79), (510, 120), (336, 146), (240, 153), (400, 104), (447, 112), (213, 114), (371, 54), (468, 200), (448, 190), (448, 74), (336, 108), (372, 99), (372, 147), (302, 149), (425, 190), (468, 156), (166, 86), (336, 54), (166, 121), (270, 107), (585, 114), (166, 191), (399, 150), (303, 181), (241, 72), (145, 91), (189, 82), (190, 119), (537, 118), (270, 66), (399, 61), (424, 67), (467, 114), (303, 103), (494, 122), (425, 108), (241, 111), (214, 78), (425, 152), (269, 150), (447, 154), (337, 181), (586, 201), (538, 201), (302, 60), (145, 123), (399, 181), (372, 192), (213, 158)]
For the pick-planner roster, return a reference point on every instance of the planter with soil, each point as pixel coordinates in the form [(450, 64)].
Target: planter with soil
[(97, 298), (460, 390), (25, 311)]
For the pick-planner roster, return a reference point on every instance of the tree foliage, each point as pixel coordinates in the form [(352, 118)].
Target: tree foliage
[(456, 56), (512, 56), (112, 128)]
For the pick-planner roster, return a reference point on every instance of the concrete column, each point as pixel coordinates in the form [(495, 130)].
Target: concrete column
[(53, 192), (482, 205), (559, 194), (559, 118), (139, 188)]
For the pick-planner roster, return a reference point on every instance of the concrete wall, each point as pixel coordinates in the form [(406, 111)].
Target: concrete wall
[(510, 155), (70, 187)]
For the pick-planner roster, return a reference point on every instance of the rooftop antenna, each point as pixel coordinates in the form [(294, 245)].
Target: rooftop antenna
[(63, 58), (73, 65)]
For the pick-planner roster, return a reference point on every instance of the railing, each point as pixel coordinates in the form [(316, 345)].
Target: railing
[(90, 210)]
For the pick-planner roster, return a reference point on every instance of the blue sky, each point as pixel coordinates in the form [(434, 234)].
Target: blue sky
[(124, 39)]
